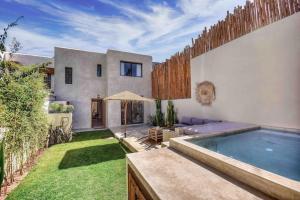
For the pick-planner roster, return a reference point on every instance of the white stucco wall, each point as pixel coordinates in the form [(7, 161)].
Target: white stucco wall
[(85, 86), (117, 83), (257, 78)]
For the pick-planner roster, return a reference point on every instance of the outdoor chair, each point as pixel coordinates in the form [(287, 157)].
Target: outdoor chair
[(155, 134)]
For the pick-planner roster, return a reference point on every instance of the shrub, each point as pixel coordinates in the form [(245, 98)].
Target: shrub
[(59, 135), (151, 120), (22, 95), (60, 108), (69, 108), (2, 172), (171, 114), (159, 116)]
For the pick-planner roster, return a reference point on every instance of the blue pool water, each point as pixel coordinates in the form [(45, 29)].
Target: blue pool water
[(274, 151)]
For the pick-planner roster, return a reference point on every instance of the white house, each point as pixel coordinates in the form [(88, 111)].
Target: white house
[(84, 78)]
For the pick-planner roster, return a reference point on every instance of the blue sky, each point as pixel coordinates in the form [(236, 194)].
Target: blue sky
[(152, 27)]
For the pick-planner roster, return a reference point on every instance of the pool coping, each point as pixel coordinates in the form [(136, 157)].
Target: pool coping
[(272, 184)]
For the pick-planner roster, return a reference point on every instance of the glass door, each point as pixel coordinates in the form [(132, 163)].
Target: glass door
[(97, 113), (135, 112)]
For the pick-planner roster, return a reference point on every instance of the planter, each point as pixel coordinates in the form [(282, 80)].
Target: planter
[(60, 119), (167, 134)]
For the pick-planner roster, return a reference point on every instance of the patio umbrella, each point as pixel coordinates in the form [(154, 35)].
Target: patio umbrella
[(127, 96)]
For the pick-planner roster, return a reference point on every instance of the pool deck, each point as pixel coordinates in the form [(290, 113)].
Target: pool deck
[(219, 127), (169, 175), (136, 139)]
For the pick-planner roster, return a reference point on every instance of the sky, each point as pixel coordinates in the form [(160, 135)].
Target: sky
[(151, 27)]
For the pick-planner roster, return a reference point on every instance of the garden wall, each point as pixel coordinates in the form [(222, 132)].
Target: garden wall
[(56, 119), (257, 78)]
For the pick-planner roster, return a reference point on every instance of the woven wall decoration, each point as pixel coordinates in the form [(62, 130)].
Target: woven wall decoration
[(205, 93)]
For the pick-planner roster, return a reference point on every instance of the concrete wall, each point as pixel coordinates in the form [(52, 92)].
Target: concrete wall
[(257, 78), (58, 119), (25, 59), (85, 86), (117, 83)]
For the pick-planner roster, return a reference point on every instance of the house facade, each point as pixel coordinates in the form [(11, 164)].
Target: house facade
[(84, 78)]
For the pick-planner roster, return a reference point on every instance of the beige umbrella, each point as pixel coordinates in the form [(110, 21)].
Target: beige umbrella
[(127, 96)]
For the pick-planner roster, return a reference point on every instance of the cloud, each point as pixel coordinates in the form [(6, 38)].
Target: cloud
[(38, 44), (157, 29)]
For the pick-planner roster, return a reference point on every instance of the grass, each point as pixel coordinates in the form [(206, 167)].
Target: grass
[(92, 166)]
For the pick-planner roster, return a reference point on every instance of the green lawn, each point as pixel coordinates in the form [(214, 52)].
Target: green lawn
[(92, 166)]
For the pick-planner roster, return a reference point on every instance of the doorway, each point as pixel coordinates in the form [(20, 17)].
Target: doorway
[(98, 113)]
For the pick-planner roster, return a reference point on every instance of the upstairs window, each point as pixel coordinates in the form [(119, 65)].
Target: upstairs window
[(99, 70), (68, 75), (131, 69)]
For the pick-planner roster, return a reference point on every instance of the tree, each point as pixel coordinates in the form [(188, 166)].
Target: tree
[(22, 94), (15, 45)]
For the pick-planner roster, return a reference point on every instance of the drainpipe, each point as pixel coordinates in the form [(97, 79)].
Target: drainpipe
[(125, 115)]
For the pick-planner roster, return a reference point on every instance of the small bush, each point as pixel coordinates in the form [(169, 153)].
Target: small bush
[(54, 107), (59, 135), (69, 108), (60, 108)]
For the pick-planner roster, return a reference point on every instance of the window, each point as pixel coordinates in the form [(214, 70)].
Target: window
[(68, 75), (47, 80), (131, 69), (135, 112), (99, 70)]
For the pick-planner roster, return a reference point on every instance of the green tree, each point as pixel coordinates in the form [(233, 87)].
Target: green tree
[(159, 116), (171, 114), (22, 95)]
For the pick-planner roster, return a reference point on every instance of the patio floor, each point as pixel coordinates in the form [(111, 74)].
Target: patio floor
[(137, 137)]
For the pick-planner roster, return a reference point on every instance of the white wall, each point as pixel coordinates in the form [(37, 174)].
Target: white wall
[(257, 78), (25, 59), (117, 83), (85, 86)]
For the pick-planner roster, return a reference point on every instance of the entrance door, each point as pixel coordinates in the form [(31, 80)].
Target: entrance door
[(98, 113)]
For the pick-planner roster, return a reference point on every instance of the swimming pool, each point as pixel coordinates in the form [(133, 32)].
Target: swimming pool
[(274, 151)]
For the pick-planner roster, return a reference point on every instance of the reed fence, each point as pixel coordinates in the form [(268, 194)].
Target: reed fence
[(243, 20), (172, 80)]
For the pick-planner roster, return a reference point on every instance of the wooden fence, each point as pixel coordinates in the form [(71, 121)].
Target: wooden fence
[(171, 79), (242, 21)]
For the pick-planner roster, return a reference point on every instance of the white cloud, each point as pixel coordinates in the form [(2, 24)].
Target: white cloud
[(158, 29), (39, 44)]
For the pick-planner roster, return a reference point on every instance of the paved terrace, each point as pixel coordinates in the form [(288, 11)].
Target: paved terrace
[(137, 137)]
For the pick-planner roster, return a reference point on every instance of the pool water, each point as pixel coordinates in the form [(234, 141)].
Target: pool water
[(274, 151)]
